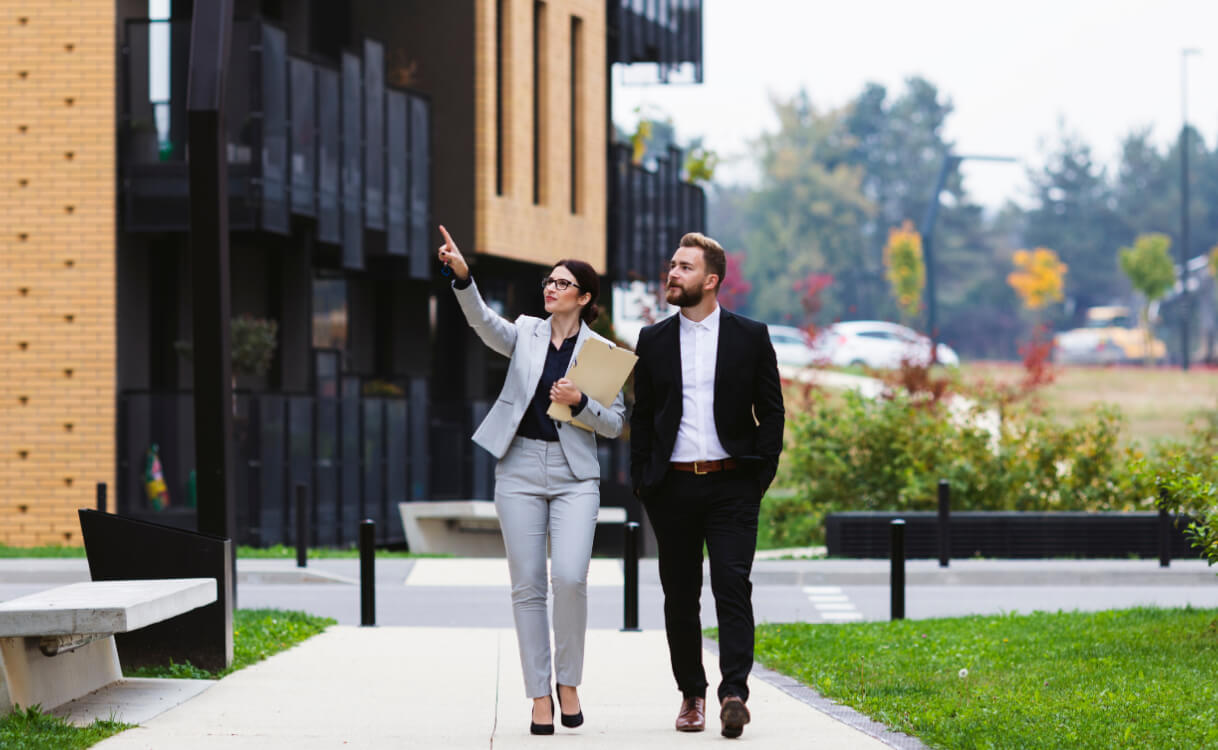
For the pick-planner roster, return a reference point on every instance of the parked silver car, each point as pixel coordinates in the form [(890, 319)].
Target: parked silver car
[(792, 346), (877, 344)]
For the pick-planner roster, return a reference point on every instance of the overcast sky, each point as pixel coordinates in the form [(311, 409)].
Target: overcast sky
[(1012, 70)]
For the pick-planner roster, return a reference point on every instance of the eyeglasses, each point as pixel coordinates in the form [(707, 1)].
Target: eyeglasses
[(561, 285)]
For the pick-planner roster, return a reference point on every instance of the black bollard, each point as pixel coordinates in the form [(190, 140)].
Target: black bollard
[(302, 525), (101, 497), (945, 529), (630, 576), (367, 572), (897, 578), (1164, 538)]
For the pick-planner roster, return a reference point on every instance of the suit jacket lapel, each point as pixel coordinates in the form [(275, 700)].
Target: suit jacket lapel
[(537, 354), (672, 343), (721, 353)]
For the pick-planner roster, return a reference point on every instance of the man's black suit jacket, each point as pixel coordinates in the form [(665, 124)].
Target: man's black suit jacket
[(746, 384)]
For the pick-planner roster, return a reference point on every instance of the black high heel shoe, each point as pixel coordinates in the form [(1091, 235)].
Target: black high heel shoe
[(535, 728), (569, 720)]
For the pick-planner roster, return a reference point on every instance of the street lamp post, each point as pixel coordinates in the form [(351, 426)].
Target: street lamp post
[(1185, 301), (927, 230)]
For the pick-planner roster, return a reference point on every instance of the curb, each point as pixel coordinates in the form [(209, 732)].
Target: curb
[(836, 711)]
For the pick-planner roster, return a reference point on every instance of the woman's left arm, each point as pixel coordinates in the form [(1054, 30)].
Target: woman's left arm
[(593, 414), (604, 421)]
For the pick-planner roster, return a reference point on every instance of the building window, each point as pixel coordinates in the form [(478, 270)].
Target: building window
[(330, 314), (577, 45), (159, 67), (500, 55), (539, 96)]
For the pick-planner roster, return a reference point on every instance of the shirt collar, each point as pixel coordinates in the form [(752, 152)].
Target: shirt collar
[(710, 322)]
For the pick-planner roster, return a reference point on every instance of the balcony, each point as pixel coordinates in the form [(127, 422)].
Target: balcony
[(667, 33), (649, 211), (359, 456), (334, 145)]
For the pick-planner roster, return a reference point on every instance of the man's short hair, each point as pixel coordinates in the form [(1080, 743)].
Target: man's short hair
[(712, 254)]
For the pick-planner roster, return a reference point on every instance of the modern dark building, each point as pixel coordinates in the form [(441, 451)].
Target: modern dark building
[(354, 127)]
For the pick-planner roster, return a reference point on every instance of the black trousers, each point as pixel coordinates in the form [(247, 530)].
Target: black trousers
[(720, 510)]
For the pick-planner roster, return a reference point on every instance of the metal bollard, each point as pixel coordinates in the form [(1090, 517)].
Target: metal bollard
[(945, 529), (302, 525), (897, 577), (367, 572), (630, 578), (1164, 538), (101, 497)]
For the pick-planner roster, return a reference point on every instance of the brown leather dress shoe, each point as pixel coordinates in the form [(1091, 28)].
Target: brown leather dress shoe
[(693, 715), (734, 716)]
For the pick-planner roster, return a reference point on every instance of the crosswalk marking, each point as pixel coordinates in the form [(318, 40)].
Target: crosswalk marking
[(822, 589), (842, 615), (832, 605)]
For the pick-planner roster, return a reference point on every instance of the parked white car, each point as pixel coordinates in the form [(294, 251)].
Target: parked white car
[(792, 346), (876, 344)]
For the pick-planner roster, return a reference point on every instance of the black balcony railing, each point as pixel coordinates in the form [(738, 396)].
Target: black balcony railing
[(339, 146), (359, 456), (649, 211), (665, 32)]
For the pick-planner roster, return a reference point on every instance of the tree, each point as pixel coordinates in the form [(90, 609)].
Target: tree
[(1147, 189), (810, 288), (1150, 269), (898, 138), (700, 162), (1039, 277), (905, 268), (1074, 213), (805, 216), (734, 289)]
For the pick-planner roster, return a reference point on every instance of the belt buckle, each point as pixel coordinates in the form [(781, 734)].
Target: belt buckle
[(696, 471)]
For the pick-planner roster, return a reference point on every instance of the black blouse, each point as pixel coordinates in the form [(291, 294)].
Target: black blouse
[(536, 424)]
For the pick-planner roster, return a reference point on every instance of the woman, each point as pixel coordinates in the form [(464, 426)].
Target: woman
[(548, 475)]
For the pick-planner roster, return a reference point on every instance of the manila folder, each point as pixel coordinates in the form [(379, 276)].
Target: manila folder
[(600, 371)]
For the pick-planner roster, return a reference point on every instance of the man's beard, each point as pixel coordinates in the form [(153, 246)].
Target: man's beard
[(684, 297)]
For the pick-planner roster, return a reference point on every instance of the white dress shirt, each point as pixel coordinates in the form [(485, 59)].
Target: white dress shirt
[(697, 438)]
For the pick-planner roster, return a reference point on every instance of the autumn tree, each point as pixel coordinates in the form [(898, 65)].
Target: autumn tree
[(734, 290), (905, 268), (1039, 277)]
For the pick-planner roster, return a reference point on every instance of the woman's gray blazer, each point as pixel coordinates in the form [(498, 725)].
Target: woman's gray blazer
[(526, 342)]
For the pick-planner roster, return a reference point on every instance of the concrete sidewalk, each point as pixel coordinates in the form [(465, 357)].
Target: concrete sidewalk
[(391, 687)]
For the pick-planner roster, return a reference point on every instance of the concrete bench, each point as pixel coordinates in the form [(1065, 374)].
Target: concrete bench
[(465, 528), (58, 645)]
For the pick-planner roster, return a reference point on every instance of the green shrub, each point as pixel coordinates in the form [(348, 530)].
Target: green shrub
[(1179, 487), (853, 453), (849, 453)]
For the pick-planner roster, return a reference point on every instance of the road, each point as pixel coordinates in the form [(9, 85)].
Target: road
[(475, 593)]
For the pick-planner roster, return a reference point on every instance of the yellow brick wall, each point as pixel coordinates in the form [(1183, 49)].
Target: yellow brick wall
[(511, 225), (57, 264)]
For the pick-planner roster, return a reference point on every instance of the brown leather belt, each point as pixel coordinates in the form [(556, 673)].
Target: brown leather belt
[(705, 467)]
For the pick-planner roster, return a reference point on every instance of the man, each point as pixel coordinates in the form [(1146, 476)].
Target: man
[(705, 437)]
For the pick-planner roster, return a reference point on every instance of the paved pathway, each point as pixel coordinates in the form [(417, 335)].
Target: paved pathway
[(390, 687)]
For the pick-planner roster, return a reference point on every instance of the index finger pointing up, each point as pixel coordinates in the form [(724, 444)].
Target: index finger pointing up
[(448, 240)]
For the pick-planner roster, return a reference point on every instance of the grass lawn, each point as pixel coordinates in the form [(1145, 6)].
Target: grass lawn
[(1138, 678), (1156, 401), (34, 730), (257, 634)]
